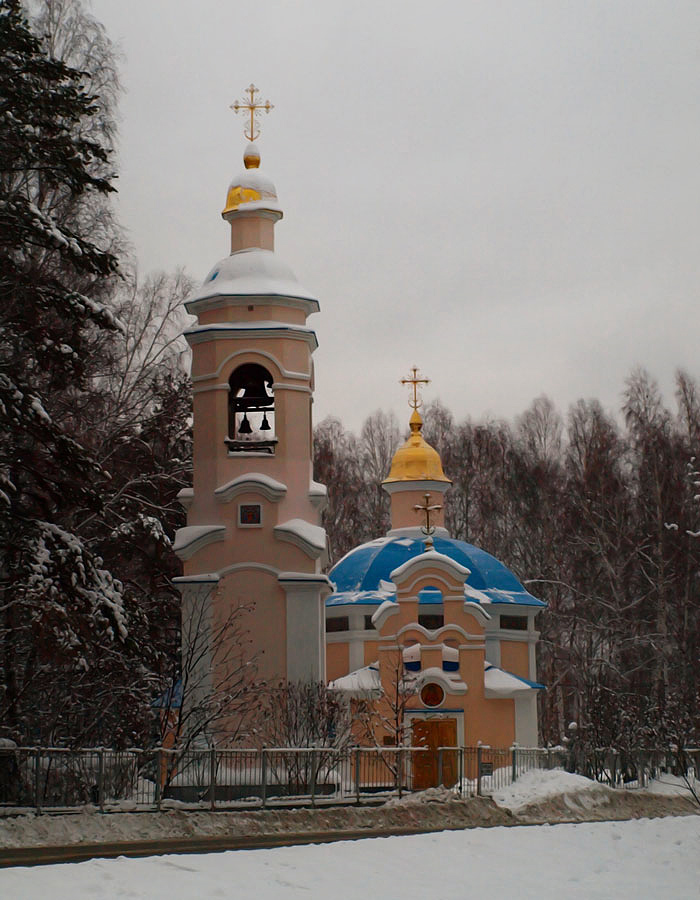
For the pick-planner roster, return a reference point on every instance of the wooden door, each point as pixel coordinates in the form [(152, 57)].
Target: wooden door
[(434, 733)]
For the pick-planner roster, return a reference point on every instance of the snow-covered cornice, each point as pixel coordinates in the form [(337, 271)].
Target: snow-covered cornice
[(185, 497), (192, 538), (199, 334), (251, 483), (318, 495), (311, 539)]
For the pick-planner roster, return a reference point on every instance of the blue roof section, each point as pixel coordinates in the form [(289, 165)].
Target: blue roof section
[(358, 575)]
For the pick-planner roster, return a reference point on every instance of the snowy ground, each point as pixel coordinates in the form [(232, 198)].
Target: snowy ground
[(646, 859)]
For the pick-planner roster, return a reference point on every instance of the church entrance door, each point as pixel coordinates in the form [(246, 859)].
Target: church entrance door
[(434, 733)]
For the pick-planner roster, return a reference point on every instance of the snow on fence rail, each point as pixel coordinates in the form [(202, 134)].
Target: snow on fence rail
[(48, 779)]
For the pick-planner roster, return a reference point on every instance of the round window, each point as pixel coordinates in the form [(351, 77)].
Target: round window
[(432, 695)]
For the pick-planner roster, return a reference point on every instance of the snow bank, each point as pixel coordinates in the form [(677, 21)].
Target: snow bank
[(673, 786), (543, 784)]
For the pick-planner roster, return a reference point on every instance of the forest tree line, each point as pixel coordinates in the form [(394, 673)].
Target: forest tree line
[(597, 515)]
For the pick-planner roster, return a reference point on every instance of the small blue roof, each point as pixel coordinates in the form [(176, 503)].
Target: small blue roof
[(359, 574), (533, 684)]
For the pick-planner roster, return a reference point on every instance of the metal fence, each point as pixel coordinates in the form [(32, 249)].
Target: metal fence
[(55, 779)]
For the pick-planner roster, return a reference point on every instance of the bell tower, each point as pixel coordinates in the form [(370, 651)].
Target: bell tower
[(253, 537)]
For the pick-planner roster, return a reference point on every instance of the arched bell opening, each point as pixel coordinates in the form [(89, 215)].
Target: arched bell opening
[(251, 410)]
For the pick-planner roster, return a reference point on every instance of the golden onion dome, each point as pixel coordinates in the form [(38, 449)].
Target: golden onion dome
[(250, 186), (416, 460)]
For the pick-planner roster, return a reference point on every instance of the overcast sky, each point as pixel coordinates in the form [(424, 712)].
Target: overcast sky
[(503, 192)]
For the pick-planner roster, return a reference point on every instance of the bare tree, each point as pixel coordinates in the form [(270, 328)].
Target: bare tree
[(299, 716)]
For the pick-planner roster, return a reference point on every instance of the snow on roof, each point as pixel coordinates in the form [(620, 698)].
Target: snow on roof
[(489, 580), (256, 482), (363, 682), (499, 683), (356, 598), (428, 556), (247, 273), (191, 538), (309, 538)]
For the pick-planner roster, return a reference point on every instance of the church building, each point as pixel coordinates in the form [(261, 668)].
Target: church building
[(416, 612), (434, 621)]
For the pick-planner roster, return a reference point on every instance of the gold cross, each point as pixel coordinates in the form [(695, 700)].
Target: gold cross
[(414, 380), (251, 106), (427, 508)]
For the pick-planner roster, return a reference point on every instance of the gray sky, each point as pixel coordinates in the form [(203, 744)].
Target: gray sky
[(503, 192)]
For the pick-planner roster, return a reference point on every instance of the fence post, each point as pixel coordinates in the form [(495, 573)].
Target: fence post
[(37, 780), (313, 778), (101, 779), (159, 777), (212, 777), (440, 780), (357, 775), (479, 752), (263, 775), (399, 769), (514, 763), (461, 771)]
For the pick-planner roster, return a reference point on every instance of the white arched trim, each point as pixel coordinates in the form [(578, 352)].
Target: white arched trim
[(240, 567), (191, 538), (433, 674), (310, 539), (445, 630), (252, 483), (286, 373)]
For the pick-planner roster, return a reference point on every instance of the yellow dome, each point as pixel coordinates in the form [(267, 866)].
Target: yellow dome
[(416, 460), (250, 186)]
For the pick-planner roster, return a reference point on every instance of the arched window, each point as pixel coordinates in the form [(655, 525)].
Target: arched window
[(251, 410)]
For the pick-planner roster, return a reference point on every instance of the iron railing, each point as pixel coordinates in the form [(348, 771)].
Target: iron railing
[(48, 779)]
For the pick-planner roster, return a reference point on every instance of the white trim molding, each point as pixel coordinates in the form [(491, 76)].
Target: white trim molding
[(252, 483), (311, 539), (185, 497), (192, 538), (233, 331), (286, 373)]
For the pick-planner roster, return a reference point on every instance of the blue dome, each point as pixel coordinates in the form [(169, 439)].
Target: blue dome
[(359, 574)]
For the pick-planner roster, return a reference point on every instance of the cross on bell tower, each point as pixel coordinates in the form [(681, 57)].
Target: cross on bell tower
[(253, 109)]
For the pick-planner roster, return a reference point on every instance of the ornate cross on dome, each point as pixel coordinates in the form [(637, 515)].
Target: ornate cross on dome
[(415, 380), (427, 508), (252, 107)]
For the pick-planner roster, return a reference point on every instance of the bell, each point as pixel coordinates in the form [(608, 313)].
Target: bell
[(254, 394), (244, 427), (264, 425)]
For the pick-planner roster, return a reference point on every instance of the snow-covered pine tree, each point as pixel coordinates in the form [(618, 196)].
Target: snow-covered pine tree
[(61, 611)]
